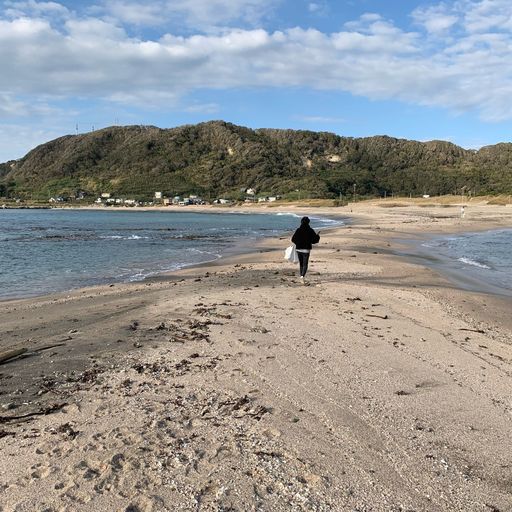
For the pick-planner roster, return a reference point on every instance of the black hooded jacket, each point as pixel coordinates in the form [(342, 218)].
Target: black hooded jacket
[(304, 237)]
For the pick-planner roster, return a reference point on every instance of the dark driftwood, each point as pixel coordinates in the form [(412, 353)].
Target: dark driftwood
[(41, 412), (47, 347), (480, 331), (10, 354), (16, 352)]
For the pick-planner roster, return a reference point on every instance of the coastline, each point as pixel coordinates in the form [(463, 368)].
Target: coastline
[(472, 279), (234, 244), (365, 389)]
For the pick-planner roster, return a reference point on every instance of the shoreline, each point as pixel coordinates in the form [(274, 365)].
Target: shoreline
[(381, 385), (470, 283), (470, 280), (238, 246)]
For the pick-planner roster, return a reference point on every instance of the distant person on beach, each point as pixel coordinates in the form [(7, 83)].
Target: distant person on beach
[(462, 212), (304, 238)]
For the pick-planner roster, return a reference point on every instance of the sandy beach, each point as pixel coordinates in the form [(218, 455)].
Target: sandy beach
[(380, 386)]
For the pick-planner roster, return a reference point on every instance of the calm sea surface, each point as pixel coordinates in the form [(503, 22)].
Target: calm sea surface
[(477, 261), (43, 251)]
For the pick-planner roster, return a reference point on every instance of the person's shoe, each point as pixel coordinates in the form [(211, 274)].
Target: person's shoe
[(302, 280)]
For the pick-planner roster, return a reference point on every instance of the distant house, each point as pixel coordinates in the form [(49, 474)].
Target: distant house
[(262, 199), (251, 192), (99, 201), (193, 199), (105, 195)]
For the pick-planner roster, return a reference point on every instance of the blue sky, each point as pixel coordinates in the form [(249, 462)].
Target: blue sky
[(407, 68)]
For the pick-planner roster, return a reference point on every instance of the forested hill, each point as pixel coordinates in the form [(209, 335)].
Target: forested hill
[(218, 158)]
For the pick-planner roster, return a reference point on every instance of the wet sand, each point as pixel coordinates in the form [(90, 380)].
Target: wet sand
[(380, 386)]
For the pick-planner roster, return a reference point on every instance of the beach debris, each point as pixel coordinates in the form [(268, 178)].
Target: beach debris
[(383, 317), (479, 331), (67, 428), (352, 299), (133, 326), (261, 330), (53, 345), (89, 376), (41, 412), (11, 354), (492, 508)]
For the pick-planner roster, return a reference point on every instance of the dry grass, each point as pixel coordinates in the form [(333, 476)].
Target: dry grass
[(439, 201), (316, 203), (500, 200), (389, 204)]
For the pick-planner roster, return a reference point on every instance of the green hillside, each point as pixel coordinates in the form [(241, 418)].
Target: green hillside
[(218, 158)]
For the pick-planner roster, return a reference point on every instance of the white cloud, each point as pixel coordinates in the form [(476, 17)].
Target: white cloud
[(468, 69), (12, 107), (361, 24), (16, 139), (320, 8), (472, 16), (485, 15), (436, 19), (33, 8), (203, 15)]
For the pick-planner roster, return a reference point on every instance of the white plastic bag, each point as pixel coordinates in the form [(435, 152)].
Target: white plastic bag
[(290, 254)]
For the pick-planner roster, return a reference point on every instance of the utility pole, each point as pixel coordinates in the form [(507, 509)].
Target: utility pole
[(354, 200)]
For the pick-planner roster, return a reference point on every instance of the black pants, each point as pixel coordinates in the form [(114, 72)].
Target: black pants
[(303, 262)]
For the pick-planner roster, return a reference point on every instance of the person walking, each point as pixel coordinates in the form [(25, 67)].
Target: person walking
[(304, 238)]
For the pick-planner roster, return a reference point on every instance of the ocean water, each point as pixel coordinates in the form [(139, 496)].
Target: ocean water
[(43, 251), (479, 261)]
